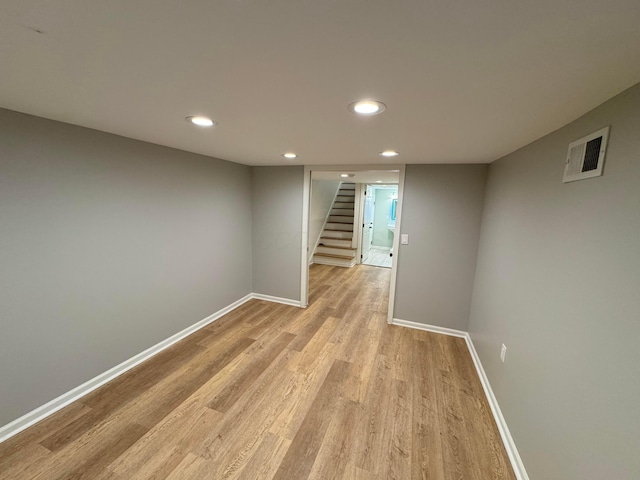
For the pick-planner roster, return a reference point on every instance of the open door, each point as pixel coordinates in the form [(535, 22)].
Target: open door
[(367, 223)]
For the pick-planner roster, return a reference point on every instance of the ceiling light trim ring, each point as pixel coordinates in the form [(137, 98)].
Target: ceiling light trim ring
[(200, 121), (389, 153), (367, 108)]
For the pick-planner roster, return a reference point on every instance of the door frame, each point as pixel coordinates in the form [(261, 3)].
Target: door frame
[(360, 225), (306, 196), (358, 231), (361, 190)]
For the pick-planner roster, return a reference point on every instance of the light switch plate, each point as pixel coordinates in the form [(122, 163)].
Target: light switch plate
[(404, 239)]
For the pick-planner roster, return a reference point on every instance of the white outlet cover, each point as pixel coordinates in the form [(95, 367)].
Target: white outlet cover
[(404, 239)]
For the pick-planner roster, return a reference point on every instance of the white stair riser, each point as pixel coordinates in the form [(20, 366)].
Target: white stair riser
[(336, 242), (347, 227), (349, 205), (336, 251), (347, 193), (340, 219), (342, 198), (342, 211), (337, 262), (331, 234)]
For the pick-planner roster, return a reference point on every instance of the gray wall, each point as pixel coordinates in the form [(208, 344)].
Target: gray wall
[(277, 230), (558, 281), (441, 212), (107, 246), (382, 236), (322, 194)]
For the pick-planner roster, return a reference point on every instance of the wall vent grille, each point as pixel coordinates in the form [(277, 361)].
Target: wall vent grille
[(585, 157)]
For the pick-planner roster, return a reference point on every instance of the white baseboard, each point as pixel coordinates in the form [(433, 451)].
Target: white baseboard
[(505, 434), (34, 416), (65, 399), (507, 439), (271, 298), (430, 328)]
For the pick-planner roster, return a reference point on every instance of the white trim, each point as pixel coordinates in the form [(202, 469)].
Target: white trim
[(396, 246), (9, 430), (359, 216), (507, 439), (505, 434), (271, 298), (304, 249), (430, 328)]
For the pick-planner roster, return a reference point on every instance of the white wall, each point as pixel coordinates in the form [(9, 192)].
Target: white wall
[(558, 281), (322, 194), (107, 246)]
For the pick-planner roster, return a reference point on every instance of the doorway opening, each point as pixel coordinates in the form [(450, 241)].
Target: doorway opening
[(379, 224), (369, 241)]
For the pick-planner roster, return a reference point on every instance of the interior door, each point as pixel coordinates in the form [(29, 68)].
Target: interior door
[(367, 221)]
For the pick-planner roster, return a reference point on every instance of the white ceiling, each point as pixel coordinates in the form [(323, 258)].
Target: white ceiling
[(463, 81)]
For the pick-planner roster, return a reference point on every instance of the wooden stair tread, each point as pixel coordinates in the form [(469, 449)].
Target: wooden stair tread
[(338, 228), (337, 246), (340, 238)]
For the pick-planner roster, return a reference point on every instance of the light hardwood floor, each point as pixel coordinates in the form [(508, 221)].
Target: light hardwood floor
[(275, 392)]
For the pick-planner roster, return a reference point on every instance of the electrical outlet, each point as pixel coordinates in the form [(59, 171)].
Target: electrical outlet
[(404, 239), (503, 352)]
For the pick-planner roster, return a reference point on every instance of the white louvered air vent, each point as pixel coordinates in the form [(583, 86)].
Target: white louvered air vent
[(586, 156)]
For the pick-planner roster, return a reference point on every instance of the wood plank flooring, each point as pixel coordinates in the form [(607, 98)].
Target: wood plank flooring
[(271, 391)]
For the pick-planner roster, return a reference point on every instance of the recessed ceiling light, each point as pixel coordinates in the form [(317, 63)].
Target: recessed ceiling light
[(389, 153), (200, 121), (344, 175), (378, 181), (289, 155), (367, 107)]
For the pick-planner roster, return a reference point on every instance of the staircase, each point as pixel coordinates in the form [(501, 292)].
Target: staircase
[(335, 247)]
